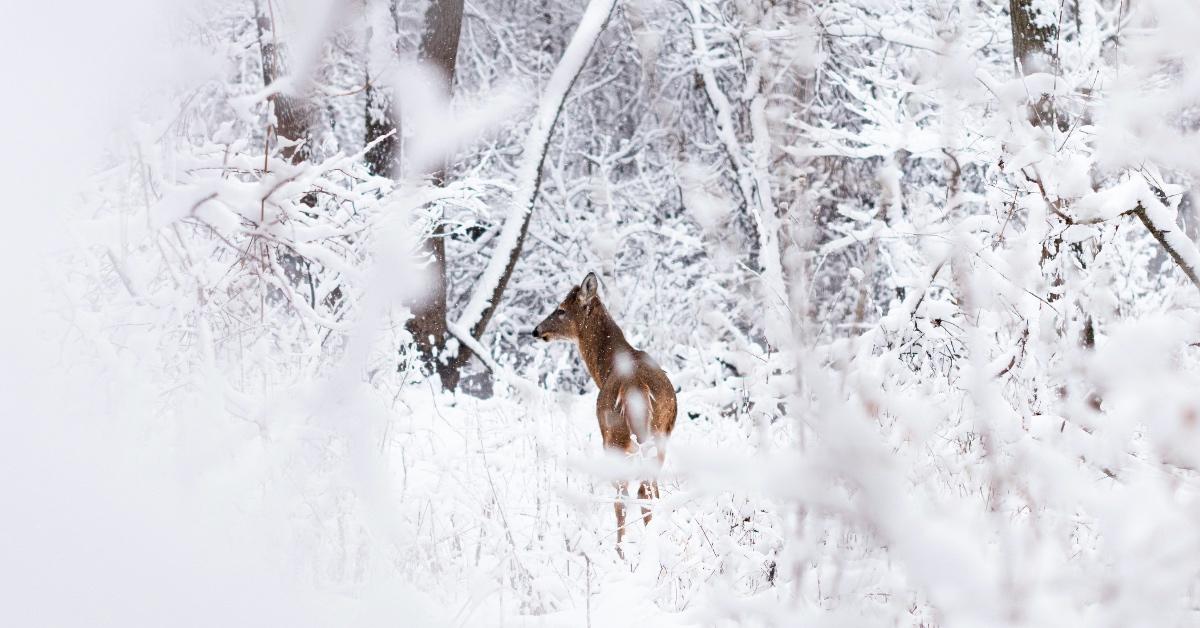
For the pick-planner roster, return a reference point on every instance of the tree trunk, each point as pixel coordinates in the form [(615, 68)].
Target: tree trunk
[(1035, 38), (1032, 41), (292, 115), (439, 48), (380, 121), (293, 118)]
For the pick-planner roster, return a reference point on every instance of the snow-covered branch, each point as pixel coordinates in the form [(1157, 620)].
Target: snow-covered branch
[(1161, 224)]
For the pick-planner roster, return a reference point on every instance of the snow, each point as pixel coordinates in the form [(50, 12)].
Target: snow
[(936, 362), (1110, 203)]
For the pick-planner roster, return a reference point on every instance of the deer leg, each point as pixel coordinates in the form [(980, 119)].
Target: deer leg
[(644, 493), (619, 509), (662, 455)]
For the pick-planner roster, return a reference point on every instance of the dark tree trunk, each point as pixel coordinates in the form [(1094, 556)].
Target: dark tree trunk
[(428, 324), (380, 121), (439, 48), (293, 119), (1034, 50), (439, 41), (1032, 43), (293, 116)]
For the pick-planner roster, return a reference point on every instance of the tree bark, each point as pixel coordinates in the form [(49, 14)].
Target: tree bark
[(1033, 51), (490, 287), (293, 116), (293, 120), (1173, 240), (439, 48), (1031, 41), (380, 121)]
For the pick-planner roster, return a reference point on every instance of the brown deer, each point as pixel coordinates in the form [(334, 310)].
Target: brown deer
[(636, 400)]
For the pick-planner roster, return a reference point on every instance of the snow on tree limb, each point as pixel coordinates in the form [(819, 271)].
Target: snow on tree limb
[(495, 276), (1159, 222), (1149, 205)]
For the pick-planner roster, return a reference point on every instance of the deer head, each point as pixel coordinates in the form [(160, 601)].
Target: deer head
[(566, 322)]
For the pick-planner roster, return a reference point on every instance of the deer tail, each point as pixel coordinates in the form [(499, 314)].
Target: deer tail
[(636, 406)]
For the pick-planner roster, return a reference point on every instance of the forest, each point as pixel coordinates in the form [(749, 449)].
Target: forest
[(916, 282)]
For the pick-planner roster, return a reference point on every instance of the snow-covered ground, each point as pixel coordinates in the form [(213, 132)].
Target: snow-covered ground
[(931, 312)]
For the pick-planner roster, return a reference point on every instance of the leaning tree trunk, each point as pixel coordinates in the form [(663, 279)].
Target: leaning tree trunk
[(429, 325), (491, 284)]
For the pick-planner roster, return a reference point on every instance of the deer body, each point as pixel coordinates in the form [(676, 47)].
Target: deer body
[(636, 406)]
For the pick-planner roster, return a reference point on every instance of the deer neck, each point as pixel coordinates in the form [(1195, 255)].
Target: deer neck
[(600, 341)]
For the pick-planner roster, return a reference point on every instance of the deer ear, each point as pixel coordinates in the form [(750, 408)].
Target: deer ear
[(587, 289)]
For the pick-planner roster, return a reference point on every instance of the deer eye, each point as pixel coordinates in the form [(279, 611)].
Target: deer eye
[(559, 312)]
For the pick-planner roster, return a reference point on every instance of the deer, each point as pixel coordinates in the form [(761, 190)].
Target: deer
[(636, 405)]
